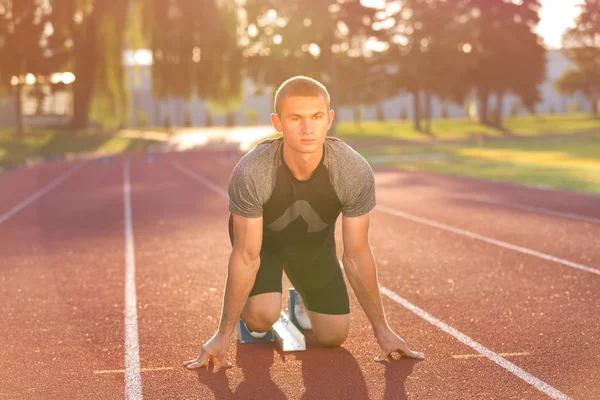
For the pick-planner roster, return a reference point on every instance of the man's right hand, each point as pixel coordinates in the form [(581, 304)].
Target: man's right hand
[(215, 349)]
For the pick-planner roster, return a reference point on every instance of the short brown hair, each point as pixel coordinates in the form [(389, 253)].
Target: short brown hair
[(300, 86)]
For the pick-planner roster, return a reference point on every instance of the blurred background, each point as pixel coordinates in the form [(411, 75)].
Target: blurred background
[(486, 88)]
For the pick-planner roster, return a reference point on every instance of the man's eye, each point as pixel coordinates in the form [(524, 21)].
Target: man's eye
[(318, 116)]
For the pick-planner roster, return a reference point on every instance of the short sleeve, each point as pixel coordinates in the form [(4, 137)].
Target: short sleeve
[(243, 194), (359, 196)]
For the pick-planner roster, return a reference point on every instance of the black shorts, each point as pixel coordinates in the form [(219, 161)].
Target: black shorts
[(326, 297)]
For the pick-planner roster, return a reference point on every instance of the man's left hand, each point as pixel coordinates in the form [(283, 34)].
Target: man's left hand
[(390, 342)]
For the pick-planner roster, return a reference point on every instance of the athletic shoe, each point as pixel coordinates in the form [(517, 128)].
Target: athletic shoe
[(301, 313), (258, 335)]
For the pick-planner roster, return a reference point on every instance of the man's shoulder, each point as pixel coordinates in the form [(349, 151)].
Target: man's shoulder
[(341, 154), (263, 152)]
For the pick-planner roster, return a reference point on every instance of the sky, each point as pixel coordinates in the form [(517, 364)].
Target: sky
[(556, 16)]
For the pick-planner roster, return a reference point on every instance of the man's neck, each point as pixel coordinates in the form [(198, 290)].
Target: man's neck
[(302, 166)]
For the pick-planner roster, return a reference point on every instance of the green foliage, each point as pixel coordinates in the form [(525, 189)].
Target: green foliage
[(142, 119), (582, 47), (252, 117)]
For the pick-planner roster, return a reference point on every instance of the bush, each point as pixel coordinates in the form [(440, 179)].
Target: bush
[(403, 112), (573, 106), (252, 117), (142, 119)]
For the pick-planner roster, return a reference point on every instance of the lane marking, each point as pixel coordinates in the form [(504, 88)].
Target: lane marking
[(535, 382), (486, 239), (120, 371), (133, 380), (532, 208), (465, 356), (512, 368), (200, 179), (57, 181)]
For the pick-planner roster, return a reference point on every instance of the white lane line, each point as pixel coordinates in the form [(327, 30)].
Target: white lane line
[(482, 356), (133, 380), (120, 371), (486, 239), (512, 368), (200, 179), (538, 210), (40, 193)]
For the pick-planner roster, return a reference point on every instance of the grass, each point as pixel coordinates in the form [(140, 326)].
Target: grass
[(571, 163), (464, 128), (47, 143), (538, 150)]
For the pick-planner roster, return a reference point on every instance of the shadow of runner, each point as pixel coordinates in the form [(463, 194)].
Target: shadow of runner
[(332, 373), (396, 373), (216, 382), (255, 361)]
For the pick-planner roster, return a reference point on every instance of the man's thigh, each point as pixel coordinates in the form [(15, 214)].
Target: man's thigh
[(330, 330), (328, 306)]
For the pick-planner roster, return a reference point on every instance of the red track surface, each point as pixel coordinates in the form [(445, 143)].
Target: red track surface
[(62, 270)]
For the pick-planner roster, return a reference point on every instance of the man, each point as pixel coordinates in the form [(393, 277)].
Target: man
[(285, 197)]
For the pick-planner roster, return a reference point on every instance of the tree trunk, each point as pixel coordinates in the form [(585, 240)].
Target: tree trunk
[(208, 121), (417, 109), (484, 99), (428, 111), (356, 111), (332, 89), (380, 112), (85, 73), (499, 109), (19, 108), (230, 118)]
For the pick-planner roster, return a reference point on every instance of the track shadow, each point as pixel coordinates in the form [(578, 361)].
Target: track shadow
[(216, 382), (332, 374), (255, 361), (396, 373)]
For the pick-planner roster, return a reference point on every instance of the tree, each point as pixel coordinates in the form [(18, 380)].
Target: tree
[(582, 47), (22, 35), (195, 50), (94, 33), (428, 40), (509, 56), (306, 37)]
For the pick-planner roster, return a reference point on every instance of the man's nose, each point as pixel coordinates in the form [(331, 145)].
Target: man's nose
[(307, 126)]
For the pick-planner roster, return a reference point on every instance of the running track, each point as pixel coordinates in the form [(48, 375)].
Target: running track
[(112, 274)]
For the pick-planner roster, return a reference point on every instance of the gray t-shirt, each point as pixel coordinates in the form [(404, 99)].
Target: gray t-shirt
[(253, 180), (300, 215)]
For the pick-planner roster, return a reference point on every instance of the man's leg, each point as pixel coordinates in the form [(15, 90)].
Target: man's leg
[(328, 307), (262, 311), (330, 330), (263, 306)]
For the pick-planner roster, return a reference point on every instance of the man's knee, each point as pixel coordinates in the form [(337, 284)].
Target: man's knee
[(262, 311), (331, 339), (330, 330)]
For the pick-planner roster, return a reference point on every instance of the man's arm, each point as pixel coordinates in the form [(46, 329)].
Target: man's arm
[(361, 270), (243, 266)]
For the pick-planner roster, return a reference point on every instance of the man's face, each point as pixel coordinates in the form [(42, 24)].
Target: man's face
[(304, 122)]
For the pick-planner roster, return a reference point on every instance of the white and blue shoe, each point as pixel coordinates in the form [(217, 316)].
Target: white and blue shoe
[(245, 335), (298, 311)]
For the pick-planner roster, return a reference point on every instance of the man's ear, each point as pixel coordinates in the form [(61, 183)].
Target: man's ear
[(330, 117), (276, 122)]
